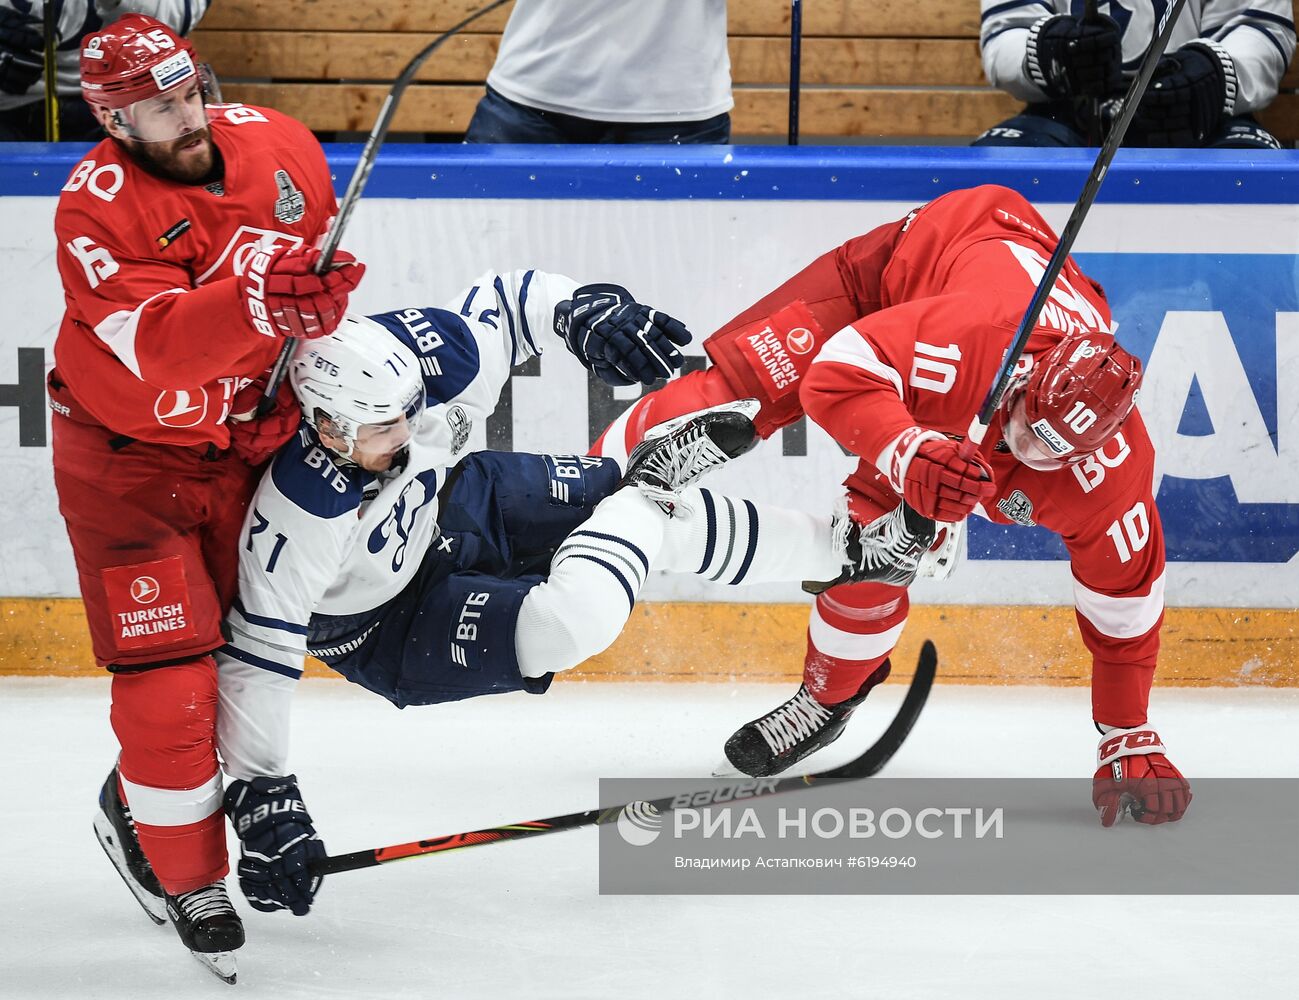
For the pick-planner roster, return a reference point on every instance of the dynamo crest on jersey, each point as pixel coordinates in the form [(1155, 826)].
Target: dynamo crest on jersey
[(290, 206)]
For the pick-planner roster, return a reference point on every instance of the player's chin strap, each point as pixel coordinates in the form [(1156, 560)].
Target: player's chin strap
[(979, 425), (357, 184)]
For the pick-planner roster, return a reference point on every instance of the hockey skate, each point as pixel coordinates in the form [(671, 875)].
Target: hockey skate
[(115, 831), (893, 549), (773, 742), (674, 454), (209, 927)]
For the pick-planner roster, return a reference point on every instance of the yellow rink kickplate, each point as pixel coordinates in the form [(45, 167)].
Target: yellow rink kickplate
[(671, 641)]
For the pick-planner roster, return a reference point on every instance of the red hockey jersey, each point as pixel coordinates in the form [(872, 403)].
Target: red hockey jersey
[(154, 341), (954, 293)]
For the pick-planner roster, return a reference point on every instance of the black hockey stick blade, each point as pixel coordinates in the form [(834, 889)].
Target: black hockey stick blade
[(883, 749), (871, 762)]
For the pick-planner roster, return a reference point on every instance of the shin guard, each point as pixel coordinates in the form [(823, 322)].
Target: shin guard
[(165, 720), (852, 630)]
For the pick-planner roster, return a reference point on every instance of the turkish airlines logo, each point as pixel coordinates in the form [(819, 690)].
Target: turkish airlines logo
[(246, 241), (799, 340), (181, 407), (144, 590)]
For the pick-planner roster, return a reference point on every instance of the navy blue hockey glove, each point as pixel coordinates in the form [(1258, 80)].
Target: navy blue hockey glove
[(22, 48), (278, 844), (1075, 57), (618, 338), (1191, 94)]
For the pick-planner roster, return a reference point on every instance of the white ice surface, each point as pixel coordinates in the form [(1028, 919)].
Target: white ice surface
[(525, 919)]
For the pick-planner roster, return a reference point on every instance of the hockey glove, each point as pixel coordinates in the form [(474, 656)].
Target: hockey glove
[(22, 48), (255, 439), (1192, 92), (618, 338), (1135, 777), (283, 295), (927, 469), (278, 843), (1075, 57)]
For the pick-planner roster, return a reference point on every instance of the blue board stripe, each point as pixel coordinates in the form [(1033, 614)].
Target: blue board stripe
[(760, 173)]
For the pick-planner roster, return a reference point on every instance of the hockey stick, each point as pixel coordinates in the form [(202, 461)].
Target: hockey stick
[(876, 756), (1091, 12), (979, 425), (795, 65), (50, 24), (357, 184)]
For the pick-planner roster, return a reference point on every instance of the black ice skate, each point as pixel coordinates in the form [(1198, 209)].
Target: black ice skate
[(209, 927), (784, 736), (894, 549), (115, 831), (676, 453)]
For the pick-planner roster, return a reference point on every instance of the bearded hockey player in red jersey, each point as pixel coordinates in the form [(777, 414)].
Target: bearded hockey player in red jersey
[(889, 343), (186, 248)]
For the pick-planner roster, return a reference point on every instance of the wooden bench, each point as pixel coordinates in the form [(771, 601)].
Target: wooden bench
[(894, 69)]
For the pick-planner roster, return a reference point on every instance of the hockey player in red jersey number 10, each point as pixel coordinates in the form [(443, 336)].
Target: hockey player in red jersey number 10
[(186, 245), (889, 343)]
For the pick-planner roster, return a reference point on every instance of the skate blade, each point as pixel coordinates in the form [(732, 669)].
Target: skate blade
[(220, 963), (727, 770), (155, 909)]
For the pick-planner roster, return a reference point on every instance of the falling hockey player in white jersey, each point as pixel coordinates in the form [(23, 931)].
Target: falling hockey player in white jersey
[(426, 574)]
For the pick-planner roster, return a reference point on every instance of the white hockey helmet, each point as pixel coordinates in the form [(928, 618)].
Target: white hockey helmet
[(359, 375)]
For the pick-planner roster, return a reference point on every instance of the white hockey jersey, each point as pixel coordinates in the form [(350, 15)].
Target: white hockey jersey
[(1259, 36), (617, 60), (325, 540)]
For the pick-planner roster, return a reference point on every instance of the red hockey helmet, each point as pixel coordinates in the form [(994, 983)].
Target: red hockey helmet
[(1073, 401), (143, 72)]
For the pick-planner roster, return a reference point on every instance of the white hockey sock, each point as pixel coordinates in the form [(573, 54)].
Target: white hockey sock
[(594, 580), (739, 541)]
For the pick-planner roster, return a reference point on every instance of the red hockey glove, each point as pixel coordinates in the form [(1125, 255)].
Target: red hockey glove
[(255, 439), (283, 295), (1135, 776), (937, 482)]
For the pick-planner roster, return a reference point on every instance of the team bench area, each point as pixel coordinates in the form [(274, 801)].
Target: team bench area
[(886, 69)]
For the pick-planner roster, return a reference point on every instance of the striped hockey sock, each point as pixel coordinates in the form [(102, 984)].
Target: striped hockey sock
[(737, 541), (595, 578)]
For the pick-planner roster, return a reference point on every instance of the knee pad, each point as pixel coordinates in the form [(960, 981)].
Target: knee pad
[(767, 359), (165, 720), (551, 635)]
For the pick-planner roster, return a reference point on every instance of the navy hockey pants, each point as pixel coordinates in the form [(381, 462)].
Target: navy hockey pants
[(450, 633)]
